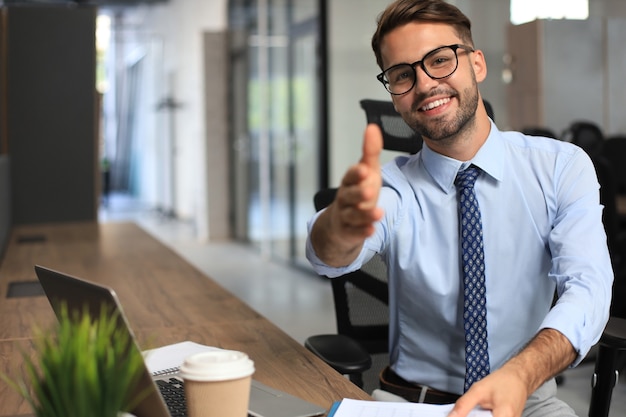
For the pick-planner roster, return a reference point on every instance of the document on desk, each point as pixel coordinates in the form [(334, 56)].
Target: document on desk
[(360, 408)]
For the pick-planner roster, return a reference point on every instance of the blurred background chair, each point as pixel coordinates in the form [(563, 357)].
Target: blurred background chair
[(614, 151)]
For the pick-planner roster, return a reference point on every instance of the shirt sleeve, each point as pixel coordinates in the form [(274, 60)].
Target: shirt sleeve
[(581, 265)]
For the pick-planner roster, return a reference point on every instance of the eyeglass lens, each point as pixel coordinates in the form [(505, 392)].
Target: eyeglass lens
[(437, 64)]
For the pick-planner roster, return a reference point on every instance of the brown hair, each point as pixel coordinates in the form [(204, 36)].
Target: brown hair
[(401, 12)]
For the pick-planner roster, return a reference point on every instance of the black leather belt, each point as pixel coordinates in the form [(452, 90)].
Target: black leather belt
[(415, 393)]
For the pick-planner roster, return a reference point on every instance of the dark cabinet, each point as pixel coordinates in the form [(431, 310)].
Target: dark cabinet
[(48, 111)]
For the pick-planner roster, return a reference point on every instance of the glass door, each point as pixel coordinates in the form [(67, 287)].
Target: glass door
[(276, 116), (306, 137)]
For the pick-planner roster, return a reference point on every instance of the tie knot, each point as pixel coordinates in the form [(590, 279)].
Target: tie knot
[(467, 178)]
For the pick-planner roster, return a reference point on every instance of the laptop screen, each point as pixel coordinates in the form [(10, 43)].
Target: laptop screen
[(80, 296)]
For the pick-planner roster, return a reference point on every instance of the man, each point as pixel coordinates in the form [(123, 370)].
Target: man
[(539, 230)]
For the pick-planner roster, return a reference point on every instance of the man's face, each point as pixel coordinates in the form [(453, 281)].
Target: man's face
[(437, 109)]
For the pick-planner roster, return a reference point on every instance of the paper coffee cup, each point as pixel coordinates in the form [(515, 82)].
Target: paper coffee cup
[(217, 383)]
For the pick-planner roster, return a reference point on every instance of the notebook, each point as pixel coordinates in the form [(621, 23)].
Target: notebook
[(79, 294)]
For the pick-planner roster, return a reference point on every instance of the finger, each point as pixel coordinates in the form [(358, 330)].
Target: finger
[(354, 175), (354, 216), (372, 146), (474, 397), (358, 224), (461, 409), (360, 196)]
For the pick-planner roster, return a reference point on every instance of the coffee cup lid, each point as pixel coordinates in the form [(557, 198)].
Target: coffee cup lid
[(218, 365)]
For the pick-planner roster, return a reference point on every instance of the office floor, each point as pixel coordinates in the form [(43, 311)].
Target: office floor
[(298, 302)]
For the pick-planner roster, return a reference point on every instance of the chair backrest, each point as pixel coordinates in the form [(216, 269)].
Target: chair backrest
[(361, 297), (397, 135)]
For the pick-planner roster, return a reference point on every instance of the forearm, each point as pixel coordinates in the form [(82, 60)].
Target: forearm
[(547, 354), (328, 243)]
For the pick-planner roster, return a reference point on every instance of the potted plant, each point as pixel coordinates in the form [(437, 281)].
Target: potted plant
[(83, 367)]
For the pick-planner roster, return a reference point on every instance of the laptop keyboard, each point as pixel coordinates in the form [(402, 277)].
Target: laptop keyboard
[(173, 392)]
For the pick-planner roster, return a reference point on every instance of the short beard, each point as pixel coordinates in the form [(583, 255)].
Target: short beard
[(440, 129)]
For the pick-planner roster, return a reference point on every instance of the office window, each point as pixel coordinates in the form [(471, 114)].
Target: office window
[(523, 11), (103, 40)]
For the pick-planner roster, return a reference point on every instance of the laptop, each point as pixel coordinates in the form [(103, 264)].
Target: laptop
[(80, 295)]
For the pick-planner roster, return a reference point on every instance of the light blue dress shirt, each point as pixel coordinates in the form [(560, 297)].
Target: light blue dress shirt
[(542, 226)]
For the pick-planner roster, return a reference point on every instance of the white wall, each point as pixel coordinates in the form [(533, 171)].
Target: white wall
[(615, 103), (178, 70), (352, 77)]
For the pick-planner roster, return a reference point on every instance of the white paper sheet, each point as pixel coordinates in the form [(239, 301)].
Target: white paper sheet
[(359, 408)]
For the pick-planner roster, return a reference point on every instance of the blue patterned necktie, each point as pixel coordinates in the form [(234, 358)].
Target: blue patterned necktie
[(474, 303)]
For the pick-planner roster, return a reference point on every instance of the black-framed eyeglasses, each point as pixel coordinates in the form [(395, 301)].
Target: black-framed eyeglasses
[(437, 64)]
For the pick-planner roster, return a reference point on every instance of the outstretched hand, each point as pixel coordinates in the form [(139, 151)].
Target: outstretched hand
[(357, 198), (340, 232)]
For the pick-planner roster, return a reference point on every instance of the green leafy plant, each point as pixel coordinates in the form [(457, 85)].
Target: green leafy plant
[(84, 367)]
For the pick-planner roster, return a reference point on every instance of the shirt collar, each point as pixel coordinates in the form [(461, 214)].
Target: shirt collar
[(489, 158)]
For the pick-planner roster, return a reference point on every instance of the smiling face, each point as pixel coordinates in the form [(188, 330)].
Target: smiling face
[(443, 111)]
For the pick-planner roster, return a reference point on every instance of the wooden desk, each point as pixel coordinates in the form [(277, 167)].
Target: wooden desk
[(165, 299)]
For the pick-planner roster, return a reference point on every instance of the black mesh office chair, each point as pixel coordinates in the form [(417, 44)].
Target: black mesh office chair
[(397, 135), (609, 363), (360, 347)]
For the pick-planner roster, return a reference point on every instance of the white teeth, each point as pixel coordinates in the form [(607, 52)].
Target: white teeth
[(435, 103)]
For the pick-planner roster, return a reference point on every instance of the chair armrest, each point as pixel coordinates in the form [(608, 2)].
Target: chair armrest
[(342, 353), (614, 334), (606, 373)]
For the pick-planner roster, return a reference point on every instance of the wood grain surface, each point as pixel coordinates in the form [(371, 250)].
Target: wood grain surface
[(165, 299)]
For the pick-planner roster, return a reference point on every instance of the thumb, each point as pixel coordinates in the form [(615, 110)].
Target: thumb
[(372, 146)]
